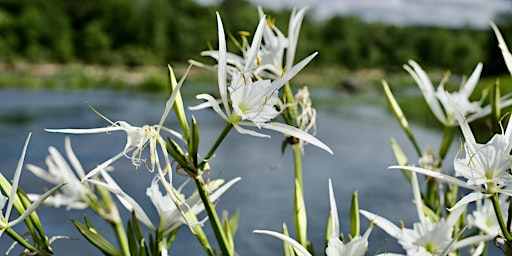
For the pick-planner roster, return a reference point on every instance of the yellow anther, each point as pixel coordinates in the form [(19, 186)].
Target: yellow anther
[(245, 79), (258, 60), (271, 21)]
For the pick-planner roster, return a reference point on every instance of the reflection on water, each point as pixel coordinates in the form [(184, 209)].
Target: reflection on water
[(359, 135)]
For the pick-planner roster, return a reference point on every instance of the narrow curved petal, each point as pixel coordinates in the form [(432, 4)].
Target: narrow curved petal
[(17, 174), (471, 197), (297, 133), (469, 86), (383, 223), (77, 166), (503, 46), (86, 131), (289, 74), (334, 212), (242, 130), (299, 249), (427, 89), (213, 103), (221, 72), (103, 166), (128, 202), (293, 34), (255, 45), (33, 206), (438, 175)]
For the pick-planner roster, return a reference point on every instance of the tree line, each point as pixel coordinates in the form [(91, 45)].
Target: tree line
[(157, 32)]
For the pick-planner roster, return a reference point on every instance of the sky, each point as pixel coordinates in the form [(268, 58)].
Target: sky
[(447, 13)]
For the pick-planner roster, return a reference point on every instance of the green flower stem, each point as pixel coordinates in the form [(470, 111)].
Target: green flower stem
[(449, 133), (213, 217), (288, 96), (121, 237), (214, 147), (503, 226), (20, 239), (299, 204)]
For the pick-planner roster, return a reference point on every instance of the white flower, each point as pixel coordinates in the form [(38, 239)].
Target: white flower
[(439, 103), (253, 102), (74, 195), (171, 217), (268, 61), (484, 166), (137, 139), (11, 197), (335, 247), (356, 247), (484, 216), (427, 237)]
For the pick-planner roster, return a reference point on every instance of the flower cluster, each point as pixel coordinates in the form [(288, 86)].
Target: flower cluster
[(254, 93)]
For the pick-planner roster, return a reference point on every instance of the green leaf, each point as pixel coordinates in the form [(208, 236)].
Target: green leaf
[(177, 154), (193, 146), (300, 215), (227, 230), (93, 236), (288, 248), (178, 101), (400, 157), (354, 215), (399, 115)]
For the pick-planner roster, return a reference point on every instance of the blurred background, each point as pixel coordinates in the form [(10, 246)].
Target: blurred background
[(57, 54)]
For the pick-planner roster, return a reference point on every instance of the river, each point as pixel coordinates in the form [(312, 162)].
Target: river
[(358, 133)]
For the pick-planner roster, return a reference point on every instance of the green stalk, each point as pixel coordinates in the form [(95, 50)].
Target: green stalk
[(503, 226), (449, 133), (299, 205), (20, 239), (213, 217), (214, 147), (121, 237)]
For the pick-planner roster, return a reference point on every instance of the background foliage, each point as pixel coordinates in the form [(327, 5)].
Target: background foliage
[(150, 32)]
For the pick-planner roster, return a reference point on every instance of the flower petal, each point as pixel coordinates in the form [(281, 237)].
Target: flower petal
[(299, 249), (297, 133)]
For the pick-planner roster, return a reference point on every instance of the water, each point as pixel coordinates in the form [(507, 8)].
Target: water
[(358, 133)]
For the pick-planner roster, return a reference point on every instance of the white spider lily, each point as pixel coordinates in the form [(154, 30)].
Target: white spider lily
[(170, 216), (356, 247), (484, 166), (427, 237), (440, 105), (253, 101), (74, 195), (484, 216), (268, 61), (11, 197), (335, 247), (137, 140)]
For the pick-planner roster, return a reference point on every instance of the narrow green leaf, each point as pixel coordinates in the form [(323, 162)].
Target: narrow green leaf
[(354, 215), (328, 231), (228, 232), (132, 242), (400, 157), (176, 153), (233, 222), (288, 248), (399, 115), (93, 236), (300, 215), (194, 141), (178, 102), (495, 106)]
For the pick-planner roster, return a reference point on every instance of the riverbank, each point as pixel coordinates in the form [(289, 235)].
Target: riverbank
[(154, 78)]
